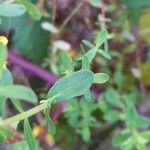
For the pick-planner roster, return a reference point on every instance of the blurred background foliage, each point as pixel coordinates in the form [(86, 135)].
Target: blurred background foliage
[(63, 26)]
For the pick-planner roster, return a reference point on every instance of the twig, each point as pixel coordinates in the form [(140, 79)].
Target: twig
[(71, 15)]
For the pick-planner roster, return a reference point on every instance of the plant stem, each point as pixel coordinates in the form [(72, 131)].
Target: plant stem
[(71, 15), (23, 115)]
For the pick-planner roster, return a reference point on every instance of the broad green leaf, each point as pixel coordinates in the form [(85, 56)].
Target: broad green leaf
[(27, 41), (112, 97), (66, 64), (96, 3), (101, 38), (17, 105), (119, 138), (50, 124), (87, 43), (28, 135), (11, 10), (3, 55), (100, 78), (105, 54), (71, 86), (32, 10), (4, 134), (18, 92)]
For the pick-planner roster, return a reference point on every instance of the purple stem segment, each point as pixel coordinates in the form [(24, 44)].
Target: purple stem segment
[(34, 69)]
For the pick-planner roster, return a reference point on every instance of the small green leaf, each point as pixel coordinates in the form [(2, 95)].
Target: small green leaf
[(100, 78), (86, 134), (11, 10), (146, 135), (105, 54), (18, 92), (17, 105), (50, 124), (28, 135), (101, 38), (66, 64), (88, 95), (32, 10), (87, 59), (112, 116), (87, 43), (5, 77), (71, 86), (21, 145), (119, 138), (112, 97), (2, 106), (134, 120)]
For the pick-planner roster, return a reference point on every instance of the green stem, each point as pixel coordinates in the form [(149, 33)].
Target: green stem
[(23, 115)]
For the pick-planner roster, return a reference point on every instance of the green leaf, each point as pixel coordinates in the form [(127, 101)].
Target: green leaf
[(28, 135), (18, 92), (119, 138), (21, 145), (101, 38), (11, 10), (112, 116), (142, 122), (88, 95), (146, 135), (27, 41), (112, 97), (32, 10), (87, 59), (4, 134), (134, 120), (105, 54), (136, 4), (5, 77), (2, 106), (87, 43), (17, 105), (66, 64), (71, 86), (96, 3), (86, 134), (3, 55), (100, 78), (50, 124)]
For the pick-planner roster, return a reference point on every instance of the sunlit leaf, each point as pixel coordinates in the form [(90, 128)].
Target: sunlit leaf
[(71, 86)]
